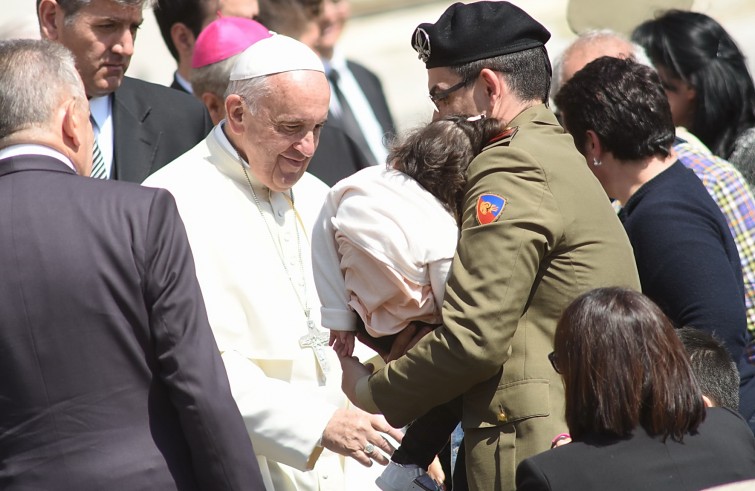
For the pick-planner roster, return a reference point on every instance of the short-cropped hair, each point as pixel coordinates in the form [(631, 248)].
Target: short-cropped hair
[(624, 103), (27, 97), (212, 78), (72, 7), (714, 368), (527, 72)]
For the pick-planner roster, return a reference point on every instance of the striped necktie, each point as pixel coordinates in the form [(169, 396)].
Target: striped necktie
[(98, 161)]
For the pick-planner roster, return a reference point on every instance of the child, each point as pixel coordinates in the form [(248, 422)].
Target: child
[(382, 250)]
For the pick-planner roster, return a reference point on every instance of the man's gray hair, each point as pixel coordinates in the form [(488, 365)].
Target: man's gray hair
[(213, 78), (35, 75), (71, 7), (250, 90), (593, 37)]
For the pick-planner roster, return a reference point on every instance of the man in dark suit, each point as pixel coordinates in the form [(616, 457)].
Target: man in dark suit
[(180, 23), (139, 127), (359, 121), (111, 376)]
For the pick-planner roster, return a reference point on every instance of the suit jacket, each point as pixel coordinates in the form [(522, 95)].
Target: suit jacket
[(338, 155), (152, 125), (554, 236), (111, 376), (722, 451)]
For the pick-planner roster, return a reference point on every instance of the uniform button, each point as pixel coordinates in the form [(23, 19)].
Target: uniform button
[(502, 417)]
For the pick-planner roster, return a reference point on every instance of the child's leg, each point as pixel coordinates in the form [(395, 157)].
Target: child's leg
[(425, 438)]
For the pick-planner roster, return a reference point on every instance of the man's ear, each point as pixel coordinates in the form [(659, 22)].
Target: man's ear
[(74, 121), (50, 16), (234, 110), (183, 39), (494, 89), (492, 82), (215, 106)]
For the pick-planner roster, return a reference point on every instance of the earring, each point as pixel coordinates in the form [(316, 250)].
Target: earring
[(596, 162)]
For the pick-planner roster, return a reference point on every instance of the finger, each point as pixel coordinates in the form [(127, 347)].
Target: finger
[(435, 470), (380, 442), (362, 458), (379, 457), (396, 434)]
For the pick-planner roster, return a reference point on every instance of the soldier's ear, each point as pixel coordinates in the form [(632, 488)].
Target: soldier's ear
[(492, 82)]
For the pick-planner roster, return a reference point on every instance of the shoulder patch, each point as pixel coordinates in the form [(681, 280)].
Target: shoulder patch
[(505, 136), (489, 208)]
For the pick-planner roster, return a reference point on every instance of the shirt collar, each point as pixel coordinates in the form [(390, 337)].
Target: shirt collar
[(184, 83), (34, 149), (100, 108)]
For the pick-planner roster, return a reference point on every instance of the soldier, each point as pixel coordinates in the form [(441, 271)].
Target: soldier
[(537, 231)]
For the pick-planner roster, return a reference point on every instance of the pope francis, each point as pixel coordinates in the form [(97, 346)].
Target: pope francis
[(249, 207)]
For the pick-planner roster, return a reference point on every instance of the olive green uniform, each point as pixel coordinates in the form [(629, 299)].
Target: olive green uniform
[(555, 238)]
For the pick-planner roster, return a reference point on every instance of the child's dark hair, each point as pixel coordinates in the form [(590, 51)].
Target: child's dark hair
[(437, 155)]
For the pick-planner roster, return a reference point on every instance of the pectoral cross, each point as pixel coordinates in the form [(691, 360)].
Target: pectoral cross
[(317, 341)]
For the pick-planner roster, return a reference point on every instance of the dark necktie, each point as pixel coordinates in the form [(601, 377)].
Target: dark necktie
[(350, 125)]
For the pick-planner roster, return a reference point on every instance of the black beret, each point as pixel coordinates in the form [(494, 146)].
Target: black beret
[(475, 31)]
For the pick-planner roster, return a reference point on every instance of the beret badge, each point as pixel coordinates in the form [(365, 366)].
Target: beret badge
[(422, 44)]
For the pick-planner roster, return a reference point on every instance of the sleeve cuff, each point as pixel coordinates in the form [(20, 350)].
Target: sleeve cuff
[(364, 396), (338, 320)]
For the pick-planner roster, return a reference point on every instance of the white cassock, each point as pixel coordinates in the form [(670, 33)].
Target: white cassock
[(257, 307)]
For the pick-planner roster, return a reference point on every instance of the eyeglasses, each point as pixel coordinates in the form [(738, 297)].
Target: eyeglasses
[(553, 358), (437, 96)]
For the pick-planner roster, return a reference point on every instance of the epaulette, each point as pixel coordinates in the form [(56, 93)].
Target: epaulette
[(504, 137)]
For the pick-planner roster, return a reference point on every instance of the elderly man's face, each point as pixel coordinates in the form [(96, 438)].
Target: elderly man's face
[(101, 37), (281, 138)]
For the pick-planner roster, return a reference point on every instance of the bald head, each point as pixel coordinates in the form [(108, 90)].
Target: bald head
[(590, 46)]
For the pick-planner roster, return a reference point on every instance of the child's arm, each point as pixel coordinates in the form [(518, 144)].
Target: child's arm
[(342, 342)]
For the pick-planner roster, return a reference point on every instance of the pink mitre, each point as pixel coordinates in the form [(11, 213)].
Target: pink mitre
[(225, 37)]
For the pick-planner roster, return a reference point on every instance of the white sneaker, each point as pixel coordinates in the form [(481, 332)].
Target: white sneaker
[(397, 477)]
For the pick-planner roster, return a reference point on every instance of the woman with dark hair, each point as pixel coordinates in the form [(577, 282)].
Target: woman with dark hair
[(633, 408), (620, 120), (707, 82)]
